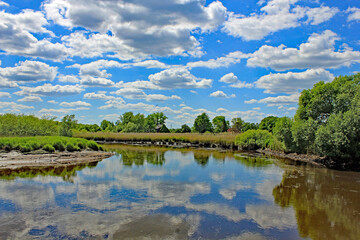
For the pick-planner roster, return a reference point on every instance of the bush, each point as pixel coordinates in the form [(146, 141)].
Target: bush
[(24, 148), (70, 147), (254, 139), (93, 145), (49, 148), (59, 146)]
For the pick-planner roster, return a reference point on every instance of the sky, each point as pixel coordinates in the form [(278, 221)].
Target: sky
[(237, 58)]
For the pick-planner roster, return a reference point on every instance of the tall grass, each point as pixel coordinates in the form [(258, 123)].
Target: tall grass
[(196, 138), (46, 143)]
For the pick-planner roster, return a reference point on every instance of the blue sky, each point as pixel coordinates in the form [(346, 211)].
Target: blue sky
[(98, 59)]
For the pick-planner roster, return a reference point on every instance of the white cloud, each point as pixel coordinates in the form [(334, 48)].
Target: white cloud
[(135, 93), (5, 95), (30, 99), (61, 110), (229, 78), (240, 84), (250, 115), (320, 14), (178, 78), (354, 14), (276, 101), (90, 81), (75, 104), (16, 36), (275, 16), (136, 28), (4, 83), (68, 78), (317, 52), (14, 106), (150, 64), (52, 102), (221, 94), (51, 90), (2, 3), (291, 82), (103, 96), (29, 71), (229, 59)]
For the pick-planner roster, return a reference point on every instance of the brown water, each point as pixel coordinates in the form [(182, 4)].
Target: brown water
[(158, 193)]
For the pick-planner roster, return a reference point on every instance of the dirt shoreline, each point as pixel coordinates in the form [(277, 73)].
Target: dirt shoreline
[(15, 160)]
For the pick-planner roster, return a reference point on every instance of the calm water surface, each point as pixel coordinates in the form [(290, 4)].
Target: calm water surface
[(154, 193)]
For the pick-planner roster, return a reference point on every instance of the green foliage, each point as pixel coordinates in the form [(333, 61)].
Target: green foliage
[(67, 124), (268, 123), (254, 139), (107, 126), (282, 132), (303, 133), (237, 124), (202, 123), (48, 148), (27, 144), (185, 129), (87, 127), (12, 125), (220, 124)]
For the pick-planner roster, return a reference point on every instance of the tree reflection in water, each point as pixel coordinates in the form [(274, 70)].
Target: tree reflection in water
[(326, 202)]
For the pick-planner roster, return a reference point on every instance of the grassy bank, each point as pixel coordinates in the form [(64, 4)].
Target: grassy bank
[(220, 138), (46, 143)]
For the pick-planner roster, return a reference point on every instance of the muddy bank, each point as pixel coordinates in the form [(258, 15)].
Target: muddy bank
[(15, 160)]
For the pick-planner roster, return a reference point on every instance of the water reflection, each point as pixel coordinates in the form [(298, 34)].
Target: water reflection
[(159, 193), (326, 202)]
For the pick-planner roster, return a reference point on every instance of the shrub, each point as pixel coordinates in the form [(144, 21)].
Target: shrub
[(70, 147), (254, 139), (49, 148), (59, 146), (24, 147), (93, 145)]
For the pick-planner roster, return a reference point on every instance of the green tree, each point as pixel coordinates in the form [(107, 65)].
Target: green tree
[(107, 126), (282, 131), (237, 124), (202, 123), (254, 139), (67, 124), (303, 134), (185, 129), (268, 123), (220, 124)]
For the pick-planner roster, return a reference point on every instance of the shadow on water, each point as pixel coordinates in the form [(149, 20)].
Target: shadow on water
[(326, 202), (67, 173)]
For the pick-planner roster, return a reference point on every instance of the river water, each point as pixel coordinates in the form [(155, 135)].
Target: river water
[(159, 193)]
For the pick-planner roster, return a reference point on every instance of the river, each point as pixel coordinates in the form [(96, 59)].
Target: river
[(160, 193)]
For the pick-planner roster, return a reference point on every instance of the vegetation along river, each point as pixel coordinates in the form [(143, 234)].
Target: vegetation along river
[(160, 193)]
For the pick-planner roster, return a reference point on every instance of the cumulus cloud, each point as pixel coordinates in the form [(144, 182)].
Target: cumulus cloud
[(5, 95), (221, 94), (135, 93), (226, 61), (16, 36), (29, 71), (30, 99), (75, 104), (275, 16), (51, 90), (229, 78), (354, 14), (178, 78), (61, 110), (318, 52), (2, 3), (103, 96), (136, 28), (14, 106), (5, 83), (68, 78), (276, 101), (292, 82)]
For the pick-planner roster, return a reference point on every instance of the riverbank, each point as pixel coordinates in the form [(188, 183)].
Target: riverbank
[(15, 160)]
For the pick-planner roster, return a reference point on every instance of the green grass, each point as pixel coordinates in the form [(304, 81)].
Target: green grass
[(48, 143), (196, 138)]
